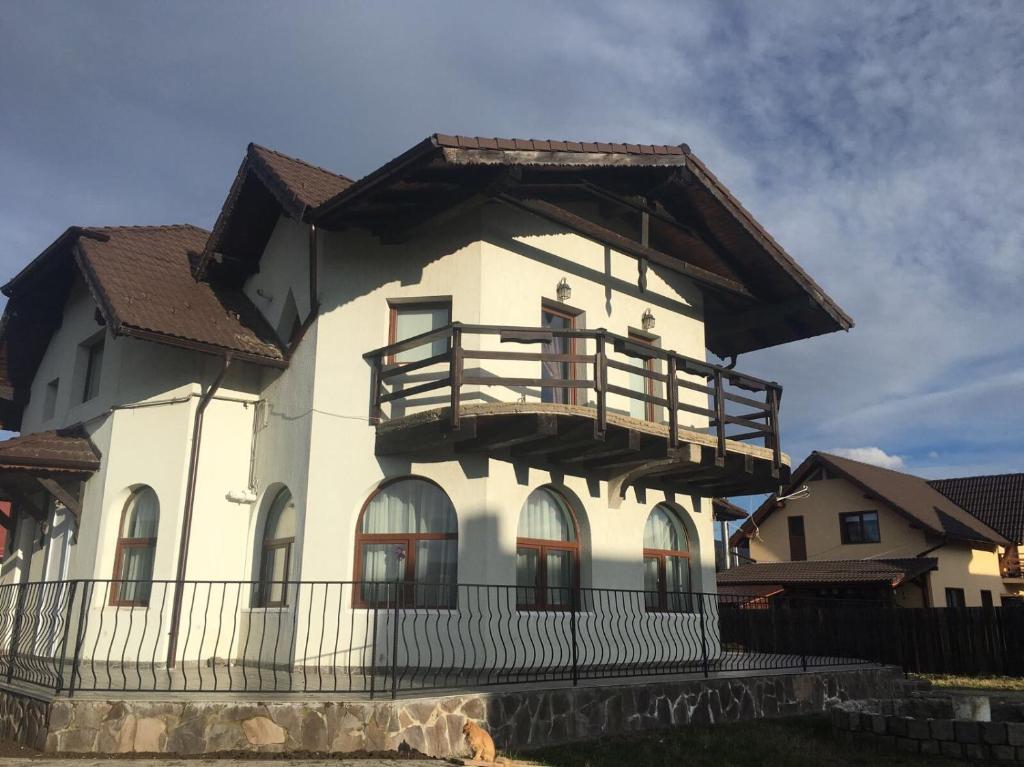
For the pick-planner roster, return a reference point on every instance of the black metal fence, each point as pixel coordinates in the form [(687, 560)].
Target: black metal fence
[(379, 639)]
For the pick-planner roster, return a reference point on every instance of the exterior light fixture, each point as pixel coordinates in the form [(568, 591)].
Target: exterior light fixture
[(647, 320), (563, 291)]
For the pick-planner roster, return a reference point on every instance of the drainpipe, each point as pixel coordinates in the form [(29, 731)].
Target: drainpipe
[(314, 272), (190, 500)]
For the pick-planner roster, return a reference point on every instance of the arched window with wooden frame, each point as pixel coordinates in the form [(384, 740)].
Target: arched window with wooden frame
[(277, 545), (666, 562), (136, 549), (547, 552), (407, 534)]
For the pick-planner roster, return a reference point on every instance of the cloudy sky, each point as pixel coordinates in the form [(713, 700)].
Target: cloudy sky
[(881, 143)]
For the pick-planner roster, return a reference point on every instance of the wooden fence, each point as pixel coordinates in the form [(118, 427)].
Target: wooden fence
[(947, 640)]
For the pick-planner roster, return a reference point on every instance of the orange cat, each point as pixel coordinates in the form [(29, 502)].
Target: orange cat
[(481, 745)]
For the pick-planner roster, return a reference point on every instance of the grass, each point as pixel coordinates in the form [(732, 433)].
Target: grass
[(794, 742), (1005, 683)]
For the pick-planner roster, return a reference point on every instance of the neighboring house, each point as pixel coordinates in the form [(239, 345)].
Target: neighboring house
[(247, 405), (868, 532), (724, 513), (998, 501)]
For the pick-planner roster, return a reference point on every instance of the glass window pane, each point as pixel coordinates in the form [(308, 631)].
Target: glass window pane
[(93, 367), (551, 369), (412, 321), (871, 527), (651, 582), (559, 575), (436, 563), (136, 572), (143, 515), (546, 517), (526, 576), (664, 530), (410, 506), (677, 583), (281, 518), (383, 564), (275, 563)]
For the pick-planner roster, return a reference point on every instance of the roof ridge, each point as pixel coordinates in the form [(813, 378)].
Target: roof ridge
[(299, 160), (142, 227), (977, 476), (871, 465), (565, 145)]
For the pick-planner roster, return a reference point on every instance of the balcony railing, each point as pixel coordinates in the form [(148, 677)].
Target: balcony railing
[(729, 404), (66, 637)]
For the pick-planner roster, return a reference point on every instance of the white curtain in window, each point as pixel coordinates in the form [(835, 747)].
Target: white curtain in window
[(281, 517), (413, 321), (545, 516), (143, 515), (664, 530), (410, 506)]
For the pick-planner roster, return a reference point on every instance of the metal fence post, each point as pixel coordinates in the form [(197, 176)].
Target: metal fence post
[(83, 613), (394, 643), (19, 611), (572, 630), (703, 635), (59, 660)]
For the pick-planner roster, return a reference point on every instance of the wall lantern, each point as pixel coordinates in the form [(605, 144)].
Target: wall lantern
[(647, 320), (563, 291)]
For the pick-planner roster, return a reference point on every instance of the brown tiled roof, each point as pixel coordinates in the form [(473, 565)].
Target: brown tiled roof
[(724, 510), (547, 145), (891, 572), (995, 499), (63, 451), (142, 277), (911, 496), (308, 185)]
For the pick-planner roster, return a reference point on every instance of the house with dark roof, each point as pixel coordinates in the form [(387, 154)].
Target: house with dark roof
[(489, 361), (864, 531)]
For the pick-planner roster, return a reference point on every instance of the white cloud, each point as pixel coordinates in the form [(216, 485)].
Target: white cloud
[(873, 455)]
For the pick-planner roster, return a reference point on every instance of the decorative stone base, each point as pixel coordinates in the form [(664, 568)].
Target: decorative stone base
[(516, 719)]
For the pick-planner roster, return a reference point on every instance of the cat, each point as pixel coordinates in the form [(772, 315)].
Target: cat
[(481, 745)]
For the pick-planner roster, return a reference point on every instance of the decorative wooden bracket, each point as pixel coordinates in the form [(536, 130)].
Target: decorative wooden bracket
[(71, 501)]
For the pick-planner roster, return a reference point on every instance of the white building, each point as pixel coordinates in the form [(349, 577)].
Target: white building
[(223, 408)]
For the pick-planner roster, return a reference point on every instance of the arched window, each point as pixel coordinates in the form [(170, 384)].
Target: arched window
[(136, 549), (407, 533), (276, 551), (666, 561), (547, 552)]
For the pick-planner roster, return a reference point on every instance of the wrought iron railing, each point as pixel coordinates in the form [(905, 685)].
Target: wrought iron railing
[(670, 383), (67, 636)]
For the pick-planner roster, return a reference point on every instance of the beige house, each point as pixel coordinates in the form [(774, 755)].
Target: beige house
[(486, 362), (868, 532)]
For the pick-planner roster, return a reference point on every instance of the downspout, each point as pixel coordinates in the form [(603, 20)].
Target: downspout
[(190, 500), (314, 272)]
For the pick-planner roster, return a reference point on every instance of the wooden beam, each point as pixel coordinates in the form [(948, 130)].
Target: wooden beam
[(571, 436), (617, 443), (501, 435), (604, 236), (71, 501)]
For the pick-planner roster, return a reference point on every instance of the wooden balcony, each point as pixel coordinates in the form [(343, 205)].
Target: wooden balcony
[(588, 403)]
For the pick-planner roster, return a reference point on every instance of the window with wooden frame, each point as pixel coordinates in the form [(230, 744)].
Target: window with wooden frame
[(859, 527), (136, 549), (413, 317), (955, 598), (666, 562), (797, 539), (641, 384), (554, 316), (276, 547), (93, 369), (547, 552), (407, 547)]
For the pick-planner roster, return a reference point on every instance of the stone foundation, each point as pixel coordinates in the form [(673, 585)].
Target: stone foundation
[(929, 726), (433, 725)]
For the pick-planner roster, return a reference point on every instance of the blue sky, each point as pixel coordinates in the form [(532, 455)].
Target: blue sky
[(881, 144)]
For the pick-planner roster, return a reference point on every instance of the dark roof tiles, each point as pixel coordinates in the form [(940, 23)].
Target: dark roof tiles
[(995, 499), (860, 571), (548, 145), (309, 185), (64, 450), (144, 277)]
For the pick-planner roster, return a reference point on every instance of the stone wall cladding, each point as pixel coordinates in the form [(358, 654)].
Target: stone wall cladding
[(23, 719), (433, 726), (926, 726)]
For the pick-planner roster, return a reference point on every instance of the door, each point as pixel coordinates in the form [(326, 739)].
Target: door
[(557, 319), (797, 541)]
